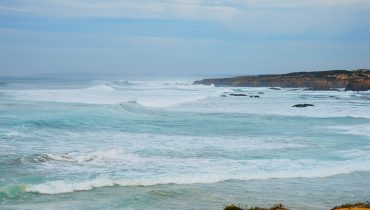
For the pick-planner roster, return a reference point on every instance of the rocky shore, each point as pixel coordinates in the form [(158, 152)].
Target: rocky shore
[(357, 80), (356, 206)]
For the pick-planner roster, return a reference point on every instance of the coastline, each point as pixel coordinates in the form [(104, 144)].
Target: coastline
[(356, 80)]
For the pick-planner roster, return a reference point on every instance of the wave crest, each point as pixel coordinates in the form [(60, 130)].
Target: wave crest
[(105, 87), (80, 157)]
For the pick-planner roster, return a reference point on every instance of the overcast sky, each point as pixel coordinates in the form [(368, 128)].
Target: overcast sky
[(183, 36)]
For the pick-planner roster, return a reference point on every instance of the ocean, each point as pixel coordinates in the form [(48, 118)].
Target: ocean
[(154, 143)]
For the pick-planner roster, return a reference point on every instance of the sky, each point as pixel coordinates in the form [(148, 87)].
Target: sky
[(203, 37)]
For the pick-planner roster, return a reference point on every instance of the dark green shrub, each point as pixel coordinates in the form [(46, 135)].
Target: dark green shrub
[(232, 207)]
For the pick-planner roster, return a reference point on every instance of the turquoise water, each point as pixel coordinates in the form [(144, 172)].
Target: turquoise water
[(168, 144)]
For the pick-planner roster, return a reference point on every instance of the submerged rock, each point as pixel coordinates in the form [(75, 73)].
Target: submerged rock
[(302, 105)]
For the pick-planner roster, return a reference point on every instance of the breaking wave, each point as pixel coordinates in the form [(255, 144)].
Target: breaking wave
[(357, 130), (66, 186), (153, 95)]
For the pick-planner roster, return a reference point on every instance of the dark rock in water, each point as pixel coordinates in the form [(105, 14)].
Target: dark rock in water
[(274, 88), (237, 94), (302, 105), (250, 96), (357, 80), (256, 96)]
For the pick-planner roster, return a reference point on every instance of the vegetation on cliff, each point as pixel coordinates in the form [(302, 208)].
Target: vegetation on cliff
[(361, 206)]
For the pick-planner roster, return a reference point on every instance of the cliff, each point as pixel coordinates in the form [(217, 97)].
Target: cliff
[(357, 80)]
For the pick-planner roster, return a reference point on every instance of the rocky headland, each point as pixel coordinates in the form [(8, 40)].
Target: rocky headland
[(357, 80)]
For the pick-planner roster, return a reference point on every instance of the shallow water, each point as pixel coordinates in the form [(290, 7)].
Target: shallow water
[(168, 144)]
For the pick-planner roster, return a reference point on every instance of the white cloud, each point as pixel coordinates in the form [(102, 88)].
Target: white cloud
[(247, 16), (180, 9), (164, 41), (6, 9), (289, 3), (218, 10)]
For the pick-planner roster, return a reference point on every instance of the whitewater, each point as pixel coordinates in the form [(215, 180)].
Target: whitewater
[(169, 144)]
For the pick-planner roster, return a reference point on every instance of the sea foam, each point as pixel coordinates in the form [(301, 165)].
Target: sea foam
[(320, 171)]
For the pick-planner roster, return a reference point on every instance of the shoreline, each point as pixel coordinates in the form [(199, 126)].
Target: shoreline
[(347, 206)]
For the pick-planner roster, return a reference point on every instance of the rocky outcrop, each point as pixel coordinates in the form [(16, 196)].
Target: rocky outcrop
[(358, 80)]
